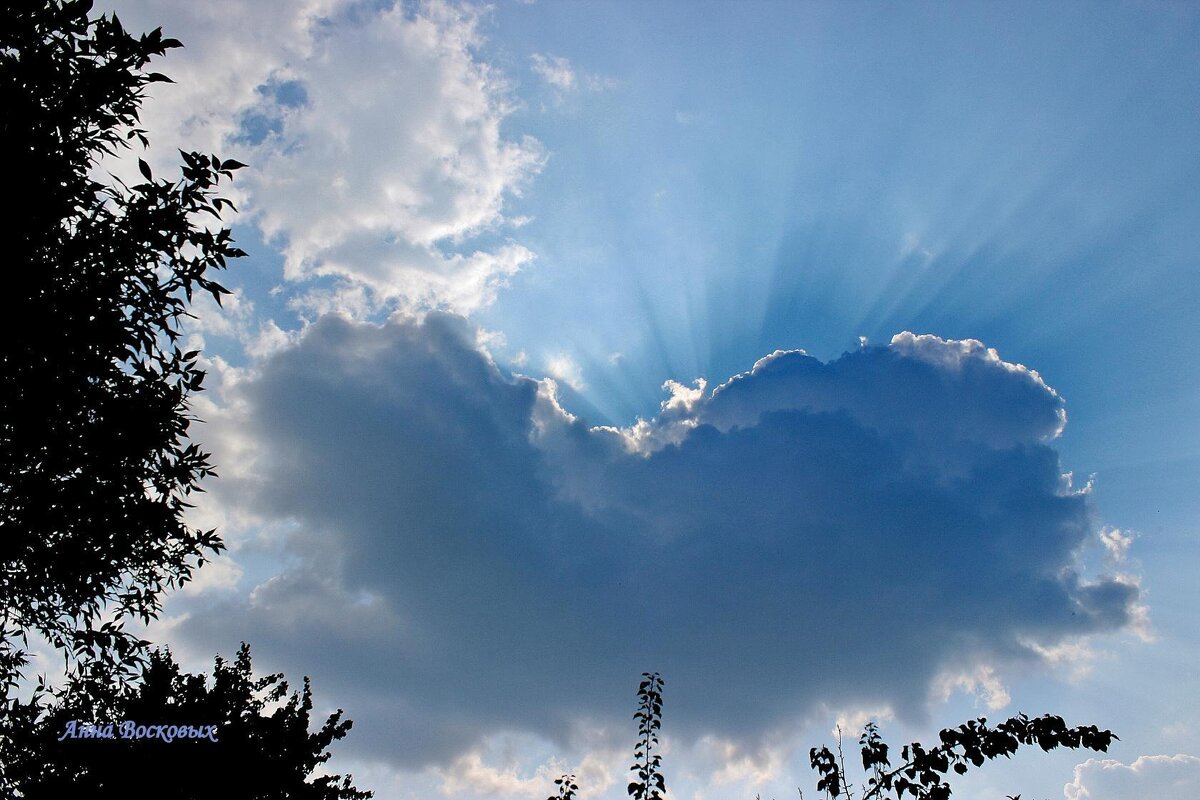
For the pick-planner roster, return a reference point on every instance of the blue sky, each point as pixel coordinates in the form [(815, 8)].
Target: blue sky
[(475, 407)]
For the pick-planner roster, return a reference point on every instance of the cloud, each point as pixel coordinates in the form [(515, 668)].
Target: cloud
[(394, 159), (554, 70), (1117, 543), (1148, 776), (983, 683), (221, 574), (231, 49), (466, 558), (564, 368), (373, 135), (563, 79)]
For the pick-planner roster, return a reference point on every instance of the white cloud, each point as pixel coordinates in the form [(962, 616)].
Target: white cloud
[(1116, 542), (230, 49), (982, 682), (563, 79), (468, 773), (1166, 776), (396, 158), (851, 722), (373, 138), (1073, 656), (735, 765), (235, 318), (502, 766), (269, 339), (220, 574), (232, 317)]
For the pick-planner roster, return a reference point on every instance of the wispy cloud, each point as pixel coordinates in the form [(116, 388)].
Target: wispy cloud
[(564, 79), (554, 70)]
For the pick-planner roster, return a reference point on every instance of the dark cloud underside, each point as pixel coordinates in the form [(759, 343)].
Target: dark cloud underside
[(470, 558)]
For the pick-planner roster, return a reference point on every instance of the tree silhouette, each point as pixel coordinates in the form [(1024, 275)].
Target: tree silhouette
[(179, 737), (95, 465)]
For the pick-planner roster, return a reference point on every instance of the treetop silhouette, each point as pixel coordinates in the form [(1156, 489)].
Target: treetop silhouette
[(183, 737)]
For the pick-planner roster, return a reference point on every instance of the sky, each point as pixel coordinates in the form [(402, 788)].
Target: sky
[(833, 360)]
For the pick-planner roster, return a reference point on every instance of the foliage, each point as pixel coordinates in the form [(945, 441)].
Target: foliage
[(921, 774), (566, 788), (257, 753), (970, 744), (95, 465), (650, 784)]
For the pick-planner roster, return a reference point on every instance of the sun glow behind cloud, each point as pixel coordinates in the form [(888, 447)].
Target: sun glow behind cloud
[(869, 183)]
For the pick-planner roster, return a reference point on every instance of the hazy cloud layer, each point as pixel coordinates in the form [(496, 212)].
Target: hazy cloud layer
[(469, 558)]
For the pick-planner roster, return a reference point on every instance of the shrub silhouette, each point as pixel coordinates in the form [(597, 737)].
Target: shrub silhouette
[(262, 749), (566, 788), (921, 775), (650, 784)]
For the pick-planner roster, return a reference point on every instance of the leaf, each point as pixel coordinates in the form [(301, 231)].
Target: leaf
[(145, 170)]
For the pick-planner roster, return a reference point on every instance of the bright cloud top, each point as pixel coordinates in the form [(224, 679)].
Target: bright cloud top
[(469, 558)]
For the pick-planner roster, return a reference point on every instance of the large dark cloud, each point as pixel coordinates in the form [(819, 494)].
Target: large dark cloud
[(468, 557)]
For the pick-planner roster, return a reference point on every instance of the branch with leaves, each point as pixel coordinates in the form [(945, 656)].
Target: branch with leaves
[(650, 784), (969, 745), (566, 788)]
